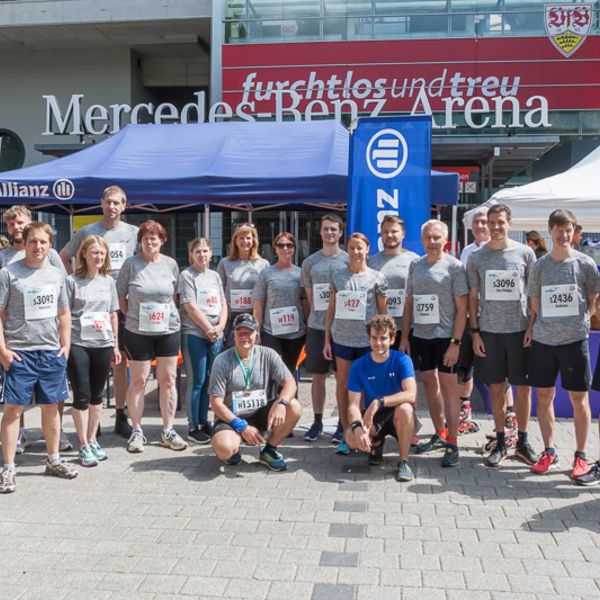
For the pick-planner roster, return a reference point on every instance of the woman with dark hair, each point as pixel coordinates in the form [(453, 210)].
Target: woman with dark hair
[(147, 286), (537, 243), (239, 272), (280, 306), (93, 302)]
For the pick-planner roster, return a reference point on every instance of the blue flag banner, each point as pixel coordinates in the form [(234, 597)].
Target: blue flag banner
[(390, 165)]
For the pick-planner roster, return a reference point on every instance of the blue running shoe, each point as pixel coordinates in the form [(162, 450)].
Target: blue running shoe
[(312, 435), (343, 448), (338, 436), (272, 459)]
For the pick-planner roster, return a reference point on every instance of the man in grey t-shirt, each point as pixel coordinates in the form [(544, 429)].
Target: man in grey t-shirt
[(316, 274), (563, 288), (122, 243), (498, 276), (239, 383)]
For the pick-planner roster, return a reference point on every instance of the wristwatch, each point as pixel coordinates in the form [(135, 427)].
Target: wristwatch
[(381, 402), (283, 401), (455, 341), (475, 330)]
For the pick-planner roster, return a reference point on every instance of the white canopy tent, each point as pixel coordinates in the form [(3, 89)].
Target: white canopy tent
[(577, 189)]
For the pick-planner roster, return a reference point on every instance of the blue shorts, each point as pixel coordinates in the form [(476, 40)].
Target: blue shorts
[(348, 352), (40, 372)]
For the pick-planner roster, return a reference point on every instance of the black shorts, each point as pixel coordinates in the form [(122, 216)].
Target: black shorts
[(571, 360), (149, 347), (428, 355), (383, 423), (315, 362), (466, 356), (259, 419), (506, 359)]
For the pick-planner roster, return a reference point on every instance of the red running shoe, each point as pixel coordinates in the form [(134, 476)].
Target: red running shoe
[(580, 467), (545, 463)]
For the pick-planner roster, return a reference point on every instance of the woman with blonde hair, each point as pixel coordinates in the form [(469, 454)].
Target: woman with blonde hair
[(93, 301), (203, 320), (239, 272)]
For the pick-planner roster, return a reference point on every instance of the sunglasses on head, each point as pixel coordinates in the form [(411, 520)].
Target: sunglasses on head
[(242, 225)]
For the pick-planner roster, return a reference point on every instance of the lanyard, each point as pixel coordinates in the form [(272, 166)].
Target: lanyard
[(247, 372)]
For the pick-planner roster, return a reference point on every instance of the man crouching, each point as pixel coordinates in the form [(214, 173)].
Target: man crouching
[(386, 378)]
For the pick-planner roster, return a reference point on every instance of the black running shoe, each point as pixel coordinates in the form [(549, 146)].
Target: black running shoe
[(495, 457), (591, 478), (526, 453)]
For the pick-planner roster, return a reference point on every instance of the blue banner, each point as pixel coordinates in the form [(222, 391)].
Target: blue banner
[(390, 165)]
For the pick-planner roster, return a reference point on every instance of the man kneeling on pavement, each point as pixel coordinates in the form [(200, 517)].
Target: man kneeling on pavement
[(387, 381)]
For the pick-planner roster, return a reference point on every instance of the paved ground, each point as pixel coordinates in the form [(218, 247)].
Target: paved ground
[(166, 525)]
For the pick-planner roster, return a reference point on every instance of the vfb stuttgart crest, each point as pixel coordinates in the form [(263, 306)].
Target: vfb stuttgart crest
[(567, 25)]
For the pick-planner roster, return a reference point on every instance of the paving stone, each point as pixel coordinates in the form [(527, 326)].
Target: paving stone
[(346, 531), (354, 486), (324, 591), (339, 559), (350, 506)]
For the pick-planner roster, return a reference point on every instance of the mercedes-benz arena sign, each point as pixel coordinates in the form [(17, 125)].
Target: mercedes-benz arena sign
[(482, 80)]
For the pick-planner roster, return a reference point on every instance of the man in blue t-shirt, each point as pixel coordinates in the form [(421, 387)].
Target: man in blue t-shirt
[(386, 378)]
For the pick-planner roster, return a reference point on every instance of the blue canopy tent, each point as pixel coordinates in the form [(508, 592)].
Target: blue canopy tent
[(236, 165)]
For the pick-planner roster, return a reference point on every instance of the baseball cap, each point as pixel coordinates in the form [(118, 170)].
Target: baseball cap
[(245, 320)]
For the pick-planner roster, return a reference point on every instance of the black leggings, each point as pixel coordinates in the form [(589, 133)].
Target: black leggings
[(289, 350), (88, 370)]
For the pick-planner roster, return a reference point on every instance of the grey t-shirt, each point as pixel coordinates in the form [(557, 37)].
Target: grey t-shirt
[(562, 288), (351, 331), (317, 270), (30, 298), (238, 277), (438, 284), (10, 255), (147, 285), (395, 269), (122, 242), (281, 291), (226, 375), (91, 301), (499, 274), (206, 291)]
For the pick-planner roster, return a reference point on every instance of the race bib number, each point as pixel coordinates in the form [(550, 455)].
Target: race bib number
[(209, 301), (154, 317), (241, 300), (248, 402), (321, 294), (351, 305), (560, 300), (95, 326), (502, 285), (284, 320), (395, 302), (40, 303), (117, 252), (426, 309)]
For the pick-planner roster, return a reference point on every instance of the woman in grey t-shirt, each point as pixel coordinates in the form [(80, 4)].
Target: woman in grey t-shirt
[(358, 293), (93, 302), (147, 286), (239, 272), (203, 319), (280, 306)]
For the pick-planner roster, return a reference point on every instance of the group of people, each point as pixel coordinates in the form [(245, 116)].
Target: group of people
[(374, 319)]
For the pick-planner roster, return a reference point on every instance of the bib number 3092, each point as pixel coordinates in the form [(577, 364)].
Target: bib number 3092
[(40, 303)]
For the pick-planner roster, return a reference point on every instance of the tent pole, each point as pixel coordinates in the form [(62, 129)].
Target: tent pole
[(454, 238), (206, 221)]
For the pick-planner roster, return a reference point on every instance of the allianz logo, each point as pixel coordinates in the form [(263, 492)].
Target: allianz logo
[(61, 189)]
